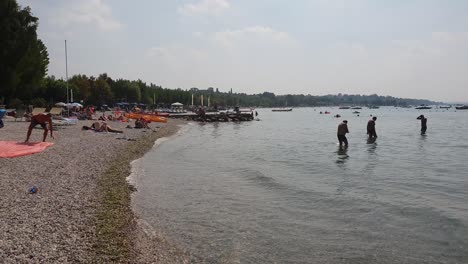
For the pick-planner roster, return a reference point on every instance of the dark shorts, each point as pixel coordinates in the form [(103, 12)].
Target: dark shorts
[(423, 129), (371, 133), (35, 123), (342, 139)]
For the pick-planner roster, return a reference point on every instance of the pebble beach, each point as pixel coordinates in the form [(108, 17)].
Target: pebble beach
[(77, 181)]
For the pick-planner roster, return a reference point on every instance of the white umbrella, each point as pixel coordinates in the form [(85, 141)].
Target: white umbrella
[(76, 105), (61, 104)]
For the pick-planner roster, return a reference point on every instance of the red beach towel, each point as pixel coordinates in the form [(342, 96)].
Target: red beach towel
[(11, 149)]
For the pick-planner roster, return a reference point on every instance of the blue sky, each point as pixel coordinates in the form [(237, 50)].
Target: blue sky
[(403, 48)]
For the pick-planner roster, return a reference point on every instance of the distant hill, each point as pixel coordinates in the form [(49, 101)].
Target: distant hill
[(268, 99)]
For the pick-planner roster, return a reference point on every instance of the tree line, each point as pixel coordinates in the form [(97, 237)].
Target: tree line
[(23, 79)]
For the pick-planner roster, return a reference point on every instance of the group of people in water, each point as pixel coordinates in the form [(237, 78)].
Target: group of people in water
[(371, 132)]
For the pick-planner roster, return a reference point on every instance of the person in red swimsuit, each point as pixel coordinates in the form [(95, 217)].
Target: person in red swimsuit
[(41, 119)]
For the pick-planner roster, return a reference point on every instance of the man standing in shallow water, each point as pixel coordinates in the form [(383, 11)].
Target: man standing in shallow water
[(423, 124), (342, 130), (371, 128)]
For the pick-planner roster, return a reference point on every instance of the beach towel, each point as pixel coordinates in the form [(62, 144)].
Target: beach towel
[(11, 149)]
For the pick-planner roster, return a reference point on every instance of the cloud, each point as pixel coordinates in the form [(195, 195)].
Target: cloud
[(91, 12), (229, 38), (157, 52), (204, 7)]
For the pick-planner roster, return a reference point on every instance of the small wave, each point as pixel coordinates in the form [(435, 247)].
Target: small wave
[(264, 181)]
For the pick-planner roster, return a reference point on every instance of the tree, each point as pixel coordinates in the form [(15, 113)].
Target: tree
[(24, 58), (80, 84)]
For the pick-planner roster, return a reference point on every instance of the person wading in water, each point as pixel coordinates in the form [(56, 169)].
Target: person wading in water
[(423, 124), (371, 128), (342, 130)]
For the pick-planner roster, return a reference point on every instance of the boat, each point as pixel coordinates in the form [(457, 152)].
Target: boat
[(356, 107), (343, 107), (356, 112), (423, 107), (463, 107), (282, 110), (147, 117), (373, 107), (445, 106)]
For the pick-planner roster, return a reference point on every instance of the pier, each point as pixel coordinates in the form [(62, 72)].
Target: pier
[(219, 116)]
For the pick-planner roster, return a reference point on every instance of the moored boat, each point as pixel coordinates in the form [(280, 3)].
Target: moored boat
[(445, 106), (281, 109), (463, 107), (423, 107)]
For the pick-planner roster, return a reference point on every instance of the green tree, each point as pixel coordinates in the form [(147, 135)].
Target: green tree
[(24, 58)]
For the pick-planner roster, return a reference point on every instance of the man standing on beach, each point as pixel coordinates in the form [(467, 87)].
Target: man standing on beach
[(40, 119), (423, 124), (371, 128), (342, 130)]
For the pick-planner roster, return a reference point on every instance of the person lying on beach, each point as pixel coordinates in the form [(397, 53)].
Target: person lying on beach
[(40, 119), (141, 123), (101, 127)]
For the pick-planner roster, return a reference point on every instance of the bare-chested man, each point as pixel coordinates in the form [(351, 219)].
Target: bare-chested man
[(371, 128), (41, 119)]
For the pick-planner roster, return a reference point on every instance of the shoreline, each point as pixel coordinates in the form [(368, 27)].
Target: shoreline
[(150, 246), (82, 211)]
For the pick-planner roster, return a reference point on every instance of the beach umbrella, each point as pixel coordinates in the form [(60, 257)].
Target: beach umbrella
[(61, 104), (76, 105)]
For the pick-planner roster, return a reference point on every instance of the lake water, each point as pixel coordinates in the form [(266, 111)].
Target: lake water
[(280, 190)]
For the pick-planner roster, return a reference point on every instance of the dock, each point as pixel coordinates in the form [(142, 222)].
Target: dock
[(220, 116)]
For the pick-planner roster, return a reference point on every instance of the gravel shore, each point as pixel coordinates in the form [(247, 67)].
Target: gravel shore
[(76, 177)]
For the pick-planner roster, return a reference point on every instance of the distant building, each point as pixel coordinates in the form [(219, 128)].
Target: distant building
[(194, 89), (211, 89)]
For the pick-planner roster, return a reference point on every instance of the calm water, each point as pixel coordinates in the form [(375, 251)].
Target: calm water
[(281, 191)]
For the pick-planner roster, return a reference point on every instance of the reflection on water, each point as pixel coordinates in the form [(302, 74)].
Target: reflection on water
[(342, 155), (371, 140)]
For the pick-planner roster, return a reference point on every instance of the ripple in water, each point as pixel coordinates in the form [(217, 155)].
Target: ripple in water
[(282, 191)]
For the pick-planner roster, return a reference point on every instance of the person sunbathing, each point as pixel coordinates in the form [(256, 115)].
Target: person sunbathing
[(103, 127), (141, 123), (40, 119)]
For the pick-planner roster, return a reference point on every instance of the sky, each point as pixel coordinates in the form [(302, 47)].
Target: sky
[(402, 48)]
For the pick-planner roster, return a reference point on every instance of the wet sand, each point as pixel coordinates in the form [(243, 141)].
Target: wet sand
[(65, 220)]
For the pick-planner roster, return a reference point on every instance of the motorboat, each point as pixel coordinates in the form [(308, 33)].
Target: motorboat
[(423, 107), (281, 109), (445, 106)]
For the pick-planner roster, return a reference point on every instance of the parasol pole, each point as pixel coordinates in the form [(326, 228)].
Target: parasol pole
[(66, 74)]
